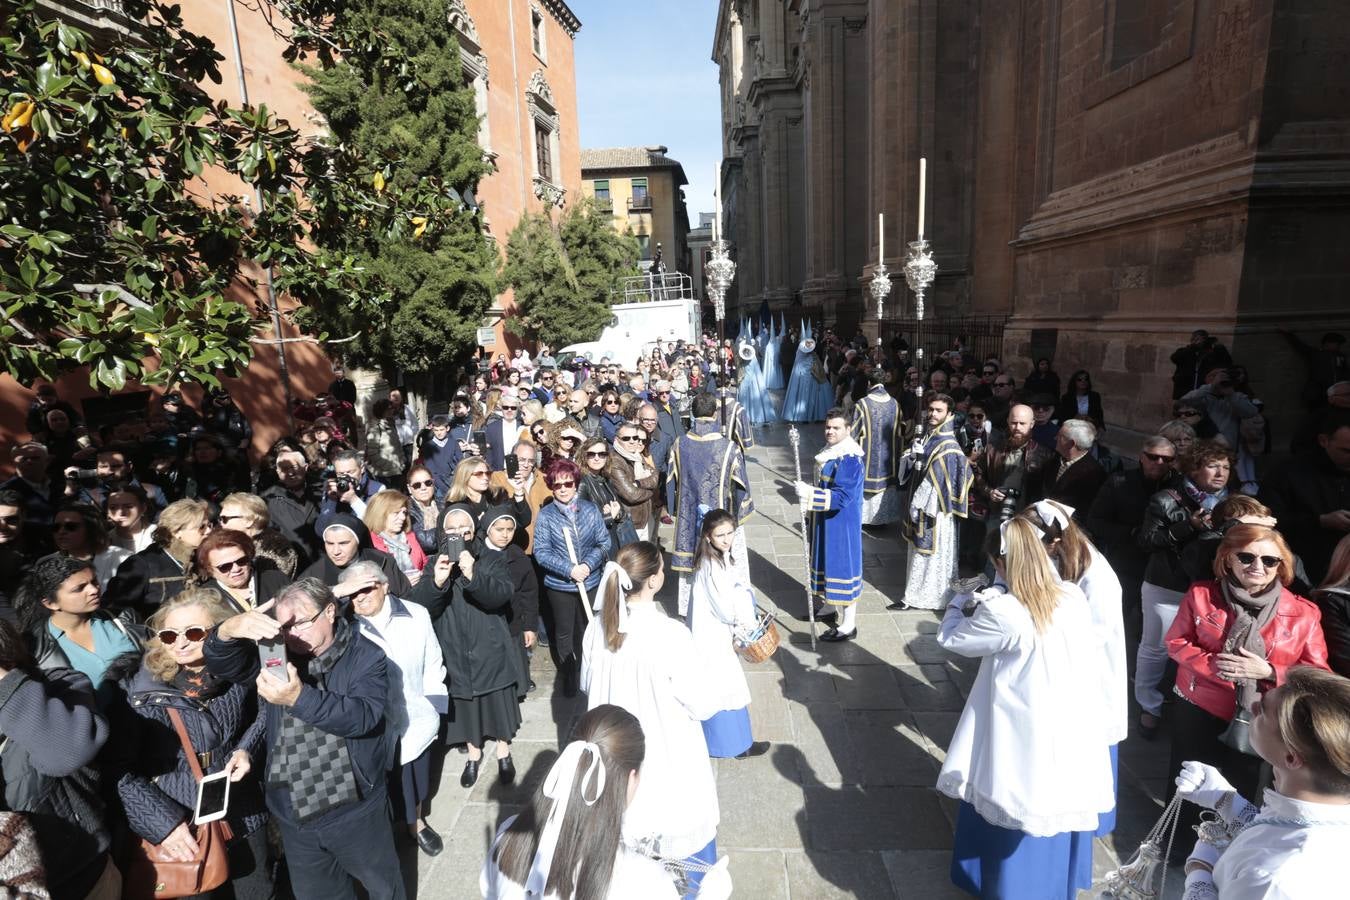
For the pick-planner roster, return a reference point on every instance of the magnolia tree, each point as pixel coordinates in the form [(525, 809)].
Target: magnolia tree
[(113, 251)]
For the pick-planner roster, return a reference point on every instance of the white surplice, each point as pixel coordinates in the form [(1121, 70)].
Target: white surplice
[(1029, 752), (720, 603), (1104, 596), (1278, 858), (660, 677)]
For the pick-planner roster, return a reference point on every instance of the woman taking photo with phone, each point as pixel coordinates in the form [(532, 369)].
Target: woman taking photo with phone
[(224, 723), (472, 624), (1232, 635), (1028, 760)]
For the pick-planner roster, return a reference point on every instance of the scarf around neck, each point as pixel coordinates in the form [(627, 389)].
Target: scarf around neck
[(639, 470), (1251, 613)]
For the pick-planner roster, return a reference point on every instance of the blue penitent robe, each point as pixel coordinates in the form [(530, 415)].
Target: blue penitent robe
[(707, 472), (876, 428), (942, 464), (835, 507)]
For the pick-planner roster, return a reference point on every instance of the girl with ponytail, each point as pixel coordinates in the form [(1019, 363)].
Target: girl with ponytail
[(1028, 760), (1080, 563), (638, 658)]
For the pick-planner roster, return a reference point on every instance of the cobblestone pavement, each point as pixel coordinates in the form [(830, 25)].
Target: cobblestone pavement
[(843, 805)]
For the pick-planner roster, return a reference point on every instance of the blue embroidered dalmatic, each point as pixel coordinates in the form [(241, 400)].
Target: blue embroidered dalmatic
[(836, 524), (707, 472), (944, 466), (876, 428)]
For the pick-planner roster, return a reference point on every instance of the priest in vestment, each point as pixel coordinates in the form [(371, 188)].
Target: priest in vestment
[(939, 479)]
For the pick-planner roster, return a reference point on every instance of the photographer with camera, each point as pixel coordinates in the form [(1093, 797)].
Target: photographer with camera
[(1003, 470), (1193, 361), (347, 486)]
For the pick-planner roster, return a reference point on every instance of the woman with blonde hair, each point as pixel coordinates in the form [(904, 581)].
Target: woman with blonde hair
[(1028, 760), (1333, 599), (224, 722), (390, 522), (472, 489), (531, 411), (161, 570), (640, 659)]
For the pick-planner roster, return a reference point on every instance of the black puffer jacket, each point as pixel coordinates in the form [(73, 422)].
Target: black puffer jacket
[(51, 735), (145, 580), (160, 791), (1335, 606), (1166, 531)]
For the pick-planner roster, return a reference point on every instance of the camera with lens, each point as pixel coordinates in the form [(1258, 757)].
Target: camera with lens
[(1008, 507), (345, 483)]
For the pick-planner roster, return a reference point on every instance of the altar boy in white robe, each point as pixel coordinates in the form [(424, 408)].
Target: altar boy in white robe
[(1294, 845)]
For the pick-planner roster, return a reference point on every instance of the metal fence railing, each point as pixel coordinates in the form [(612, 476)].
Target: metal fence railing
[(980, 336), (655, 286)]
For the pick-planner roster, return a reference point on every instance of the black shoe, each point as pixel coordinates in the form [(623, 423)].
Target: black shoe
[(823, 614), (429, 841), (530, 689), (758, 748), (1148, 726), (899, 605), (470, 773), (506, 770), (835, 636)]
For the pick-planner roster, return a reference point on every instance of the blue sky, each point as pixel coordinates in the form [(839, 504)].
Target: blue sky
[(645, 77)]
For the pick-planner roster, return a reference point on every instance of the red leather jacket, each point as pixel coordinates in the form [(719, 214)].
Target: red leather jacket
[(1293, 638)]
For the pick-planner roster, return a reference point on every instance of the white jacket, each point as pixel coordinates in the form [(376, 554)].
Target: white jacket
[(1030, 750), (1104, 596), (659, 676), (718, 603), (418, 696)]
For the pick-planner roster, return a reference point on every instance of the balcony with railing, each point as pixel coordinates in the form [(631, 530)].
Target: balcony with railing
[(101, 18), (605, 204), (640, 204)]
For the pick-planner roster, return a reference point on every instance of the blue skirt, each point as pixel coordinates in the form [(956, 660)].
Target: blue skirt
[(1106, 822), (707, 855), (1001, 864), (728, 733)]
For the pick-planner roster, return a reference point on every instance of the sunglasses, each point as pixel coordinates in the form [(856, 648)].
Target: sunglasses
[(611, 402), (1248, 559), (563, 484), (1158, 457), (507, 406), (420, 484), (194, 634), (230, 565), (222, 518), (631, 437), (480, 475), (590, 454), (68, 526)]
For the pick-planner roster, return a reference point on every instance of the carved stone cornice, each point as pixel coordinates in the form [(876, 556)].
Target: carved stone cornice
[(563, 14), (550, 193), (538, 88), (460, 20)]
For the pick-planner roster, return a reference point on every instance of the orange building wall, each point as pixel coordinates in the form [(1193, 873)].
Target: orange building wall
[(508, 193)]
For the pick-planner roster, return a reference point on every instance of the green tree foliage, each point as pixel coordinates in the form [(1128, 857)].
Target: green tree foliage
[(399, 97), (111, 253), (563, 277)]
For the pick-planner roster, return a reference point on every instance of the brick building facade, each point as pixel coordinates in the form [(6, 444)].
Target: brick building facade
[(1108, 174)]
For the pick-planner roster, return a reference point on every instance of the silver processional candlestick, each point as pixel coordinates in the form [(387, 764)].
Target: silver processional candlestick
[(919, 273)]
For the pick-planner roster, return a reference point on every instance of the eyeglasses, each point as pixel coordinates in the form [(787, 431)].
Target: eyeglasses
[(223, 518), (646, 421), (480, 475), (1158, 457), (563, 484), (68, 526), (193, 633), (596, 455), (229, 565), (302, 624), (1248, 559), (420, 484)]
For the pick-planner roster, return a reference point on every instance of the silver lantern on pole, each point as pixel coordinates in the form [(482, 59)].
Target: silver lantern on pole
[(880, 288), (720, 271)]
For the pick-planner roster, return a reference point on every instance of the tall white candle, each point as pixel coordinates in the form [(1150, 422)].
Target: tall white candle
[(717, 200), (923, 191), (881, 238)]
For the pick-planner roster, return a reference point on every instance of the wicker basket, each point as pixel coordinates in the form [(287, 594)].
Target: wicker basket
[(762, 643)]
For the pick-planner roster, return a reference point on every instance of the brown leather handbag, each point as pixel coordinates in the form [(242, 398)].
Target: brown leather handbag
[(152, 875)]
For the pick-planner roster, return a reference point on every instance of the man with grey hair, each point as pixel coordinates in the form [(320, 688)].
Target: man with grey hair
[(1117, 511), (328, 747), (1074, 482)]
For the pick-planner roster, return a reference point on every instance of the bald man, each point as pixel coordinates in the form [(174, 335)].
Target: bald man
[(1001, 476)]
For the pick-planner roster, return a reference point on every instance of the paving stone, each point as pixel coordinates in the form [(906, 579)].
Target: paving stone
[(761, 874), (827, 876), (867, 687), (890, 751), (921, 874), (532, 759), (924, 648), (769, 717), (922, 694), (761, 804), (937, 728), (875, 818)]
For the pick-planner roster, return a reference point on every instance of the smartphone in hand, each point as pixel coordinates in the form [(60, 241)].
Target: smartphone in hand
[(272, 655), (512, 465), (452, 546), (213, 798)]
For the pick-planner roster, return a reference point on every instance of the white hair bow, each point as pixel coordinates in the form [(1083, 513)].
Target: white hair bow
[(558, 788), (614, 570), (1052, 512)]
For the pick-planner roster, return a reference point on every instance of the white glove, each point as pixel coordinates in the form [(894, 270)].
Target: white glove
[(716, 883), (1202, 784), (804, 490)]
